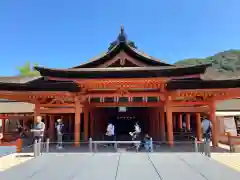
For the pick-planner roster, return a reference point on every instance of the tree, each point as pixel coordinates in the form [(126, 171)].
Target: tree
[(28, 70), (226, 61)]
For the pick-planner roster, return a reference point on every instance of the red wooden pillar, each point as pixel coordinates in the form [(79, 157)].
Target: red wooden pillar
[(36, 112), (212, 117), (169, 124), (51, 127), (180, 121), (77, 122), (3, 125), (150, 131), (70, 124), (96, 119), (3, 128), (157, 124), (174, 122), (153, 123), (198, 128), (162, 125), (92, 122), (86, 123), (188, 125)]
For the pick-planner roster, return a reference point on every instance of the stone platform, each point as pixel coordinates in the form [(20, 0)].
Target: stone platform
[(120, 166)]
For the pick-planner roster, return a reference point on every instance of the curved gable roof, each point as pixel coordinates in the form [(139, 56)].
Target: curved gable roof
[(122, 44)]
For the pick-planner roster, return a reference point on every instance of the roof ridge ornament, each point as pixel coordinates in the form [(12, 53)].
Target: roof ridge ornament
[(122, 37)]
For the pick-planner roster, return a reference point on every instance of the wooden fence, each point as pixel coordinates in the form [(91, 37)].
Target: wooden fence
[(232, 141)]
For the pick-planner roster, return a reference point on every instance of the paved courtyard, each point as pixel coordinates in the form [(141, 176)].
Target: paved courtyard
[(120, 166)]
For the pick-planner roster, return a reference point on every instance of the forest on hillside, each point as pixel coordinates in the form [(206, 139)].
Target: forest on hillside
[(226, 61)]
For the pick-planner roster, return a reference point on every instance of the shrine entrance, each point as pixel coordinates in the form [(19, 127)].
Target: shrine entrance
[(124, 119)]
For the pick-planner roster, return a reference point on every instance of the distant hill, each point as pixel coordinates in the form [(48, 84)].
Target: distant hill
[(226, 61)]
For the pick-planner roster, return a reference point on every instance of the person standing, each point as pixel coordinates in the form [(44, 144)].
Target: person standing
[(110, 132), (59, 128), (206, 129), (39, 129), (184, 126)]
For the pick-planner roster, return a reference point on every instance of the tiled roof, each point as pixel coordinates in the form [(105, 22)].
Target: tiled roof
[(16, 107), (18, 79)]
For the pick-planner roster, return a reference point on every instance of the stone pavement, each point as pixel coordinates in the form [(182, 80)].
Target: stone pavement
[(120, 166), (229, 159), (14, 159)]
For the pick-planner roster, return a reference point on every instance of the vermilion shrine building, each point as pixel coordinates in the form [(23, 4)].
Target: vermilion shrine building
[(156, 94)]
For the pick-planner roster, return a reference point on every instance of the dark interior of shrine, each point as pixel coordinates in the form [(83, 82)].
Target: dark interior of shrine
[(124, 119)]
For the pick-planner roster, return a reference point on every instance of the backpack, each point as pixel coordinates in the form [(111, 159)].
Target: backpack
[(207, 134)]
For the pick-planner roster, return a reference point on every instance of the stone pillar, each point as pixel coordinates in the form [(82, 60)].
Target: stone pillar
[(188, 124), (199, 126), (77, 122), (169, 124), (212, 117)]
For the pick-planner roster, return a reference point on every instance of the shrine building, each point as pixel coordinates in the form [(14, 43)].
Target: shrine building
[(123, 85)]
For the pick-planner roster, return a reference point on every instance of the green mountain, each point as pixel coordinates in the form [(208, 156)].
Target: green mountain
[(226, 61)]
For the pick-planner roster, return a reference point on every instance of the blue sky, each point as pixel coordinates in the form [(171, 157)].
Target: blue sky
[(65, 33)]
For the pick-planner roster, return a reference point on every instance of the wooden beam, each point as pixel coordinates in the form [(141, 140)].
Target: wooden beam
[(44, 93), (122, 56), (58, 105), (127, 94), (57, 110), (174, 103), (128, 104), (190, 109)]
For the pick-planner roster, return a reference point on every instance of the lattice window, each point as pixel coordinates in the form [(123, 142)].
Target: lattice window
[(108, 99), (95, 100), (152, 99), (123, 99), (137, 99)]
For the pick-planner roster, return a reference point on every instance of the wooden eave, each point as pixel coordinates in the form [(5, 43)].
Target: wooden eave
[(124, 72), (202, 84), (44, 86)]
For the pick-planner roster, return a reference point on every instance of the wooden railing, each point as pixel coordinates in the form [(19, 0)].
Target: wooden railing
[(230, 140)]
